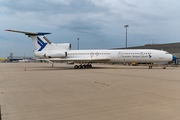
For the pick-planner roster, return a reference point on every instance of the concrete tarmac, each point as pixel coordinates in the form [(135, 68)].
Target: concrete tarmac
[(104, 92)]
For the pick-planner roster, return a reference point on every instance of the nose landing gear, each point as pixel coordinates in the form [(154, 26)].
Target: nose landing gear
[(150, 67)]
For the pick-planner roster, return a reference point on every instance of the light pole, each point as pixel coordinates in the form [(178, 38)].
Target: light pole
[(126, 34), (78, 42)]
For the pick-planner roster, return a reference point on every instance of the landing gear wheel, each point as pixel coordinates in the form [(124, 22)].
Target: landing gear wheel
[(150, 67), (80, 66), (75, 67), (90, 66), (84, 66)]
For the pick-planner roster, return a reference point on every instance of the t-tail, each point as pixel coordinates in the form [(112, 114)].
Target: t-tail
[(42, 43), (44, 46), (39, 40)]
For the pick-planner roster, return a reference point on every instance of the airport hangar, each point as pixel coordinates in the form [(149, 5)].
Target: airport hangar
[(172, 48)]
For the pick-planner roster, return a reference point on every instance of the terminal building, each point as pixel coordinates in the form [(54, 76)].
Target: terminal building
[(172, 48)]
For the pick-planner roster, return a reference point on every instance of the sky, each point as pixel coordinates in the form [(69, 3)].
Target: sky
[(98, 23)]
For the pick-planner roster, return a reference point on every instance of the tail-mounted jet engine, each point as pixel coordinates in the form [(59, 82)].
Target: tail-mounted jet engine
[(56, 55), (51, 55)]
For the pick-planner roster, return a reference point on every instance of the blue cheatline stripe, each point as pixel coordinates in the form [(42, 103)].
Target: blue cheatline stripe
[(41, 43)]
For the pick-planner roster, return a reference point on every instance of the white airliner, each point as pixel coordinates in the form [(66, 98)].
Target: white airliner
[(61, 52)]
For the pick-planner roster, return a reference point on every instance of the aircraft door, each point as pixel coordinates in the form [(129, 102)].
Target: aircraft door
[(119, 55), (141, 57)]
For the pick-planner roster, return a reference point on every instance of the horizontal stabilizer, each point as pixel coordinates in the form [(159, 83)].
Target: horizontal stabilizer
[(28, 33)]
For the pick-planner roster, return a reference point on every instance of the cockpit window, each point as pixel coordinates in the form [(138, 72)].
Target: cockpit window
[(167, 53)]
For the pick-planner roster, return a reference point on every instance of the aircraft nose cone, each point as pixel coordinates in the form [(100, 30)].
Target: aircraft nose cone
[(173, 57)]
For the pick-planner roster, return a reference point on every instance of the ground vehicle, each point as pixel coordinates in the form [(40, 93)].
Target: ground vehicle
[(134, 64)]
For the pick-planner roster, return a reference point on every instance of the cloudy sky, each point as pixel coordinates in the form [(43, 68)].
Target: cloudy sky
[(98, 23)]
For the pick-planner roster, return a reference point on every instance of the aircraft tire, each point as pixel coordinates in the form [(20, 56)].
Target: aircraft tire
[(80, 66), (75, 67), (150, 67), (84, 66)]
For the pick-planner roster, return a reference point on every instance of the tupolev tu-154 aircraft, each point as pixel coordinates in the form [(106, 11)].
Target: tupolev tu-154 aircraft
[(61, 52)]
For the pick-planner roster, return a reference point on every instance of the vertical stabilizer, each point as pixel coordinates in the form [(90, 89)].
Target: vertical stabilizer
[(39, 40)]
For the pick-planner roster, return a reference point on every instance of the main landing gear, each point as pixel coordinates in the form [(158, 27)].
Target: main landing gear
[(82, 66)]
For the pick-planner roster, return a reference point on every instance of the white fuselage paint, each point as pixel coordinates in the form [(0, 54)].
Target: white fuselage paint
[(129, 55)]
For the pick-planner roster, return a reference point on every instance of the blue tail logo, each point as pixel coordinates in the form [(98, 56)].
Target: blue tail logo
[(41, 43), (150, 56)]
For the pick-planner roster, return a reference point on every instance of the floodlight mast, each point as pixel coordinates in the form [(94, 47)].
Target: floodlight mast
[(78, 42), (126, 34)]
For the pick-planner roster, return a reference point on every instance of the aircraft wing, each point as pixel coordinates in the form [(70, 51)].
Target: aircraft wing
[(77, 59)]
